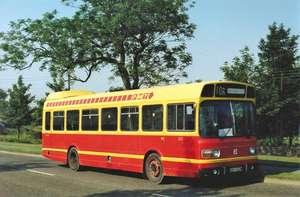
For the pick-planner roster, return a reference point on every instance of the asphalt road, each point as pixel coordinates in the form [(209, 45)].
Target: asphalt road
[(34, 176)]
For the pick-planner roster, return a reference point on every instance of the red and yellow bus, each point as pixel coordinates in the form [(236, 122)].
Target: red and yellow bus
[(187, 130)]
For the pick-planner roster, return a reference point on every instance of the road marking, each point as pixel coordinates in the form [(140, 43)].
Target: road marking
[(160, 195), (40, 172)]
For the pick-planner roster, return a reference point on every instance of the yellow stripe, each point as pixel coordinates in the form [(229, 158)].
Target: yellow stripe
[(111, 154), (206, 161), (55, 149), (169, 159)]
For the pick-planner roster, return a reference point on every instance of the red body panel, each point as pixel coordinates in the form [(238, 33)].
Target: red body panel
[(188, 147)]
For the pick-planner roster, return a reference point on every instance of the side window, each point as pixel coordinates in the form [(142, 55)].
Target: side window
[(129, 118), (47, 121), (153, 118), (109, 119), (181, 117), (90, 120), (58, 120), (73, 120)]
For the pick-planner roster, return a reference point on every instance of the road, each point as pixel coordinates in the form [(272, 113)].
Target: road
[(36, 176)]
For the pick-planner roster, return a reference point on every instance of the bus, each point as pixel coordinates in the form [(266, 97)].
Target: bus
[(185, 130)]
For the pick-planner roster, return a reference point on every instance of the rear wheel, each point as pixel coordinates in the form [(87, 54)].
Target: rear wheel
[(73, 159), (154, 170)]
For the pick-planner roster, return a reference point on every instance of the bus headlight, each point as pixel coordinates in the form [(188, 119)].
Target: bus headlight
[(252, 150), (210, 153)]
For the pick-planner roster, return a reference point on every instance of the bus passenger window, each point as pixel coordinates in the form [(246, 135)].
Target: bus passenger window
[(73, 120), (58, 120), (153, 118), (181, 117), (109, 119), (129, 118), (47, 121), (90, 120)]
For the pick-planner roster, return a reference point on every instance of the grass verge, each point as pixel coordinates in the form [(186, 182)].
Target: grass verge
[(279, 160), (284, 168), (21, 148), (292, 176)]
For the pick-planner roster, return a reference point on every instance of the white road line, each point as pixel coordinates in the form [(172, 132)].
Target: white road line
[(40, 172), (160, 195)]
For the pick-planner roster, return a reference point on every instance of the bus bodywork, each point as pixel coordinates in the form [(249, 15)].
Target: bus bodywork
[(217, 139)]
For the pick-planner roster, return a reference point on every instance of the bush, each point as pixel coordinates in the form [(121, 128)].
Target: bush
[(269, 146), (29, 134)]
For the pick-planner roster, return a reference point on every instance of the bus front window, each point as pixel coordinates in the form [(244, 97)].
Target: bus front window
[(226, 118)]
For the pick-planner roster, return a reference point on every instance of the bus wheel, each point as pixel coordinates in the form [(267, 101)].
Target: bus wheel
[(154, 170), (73, 159)]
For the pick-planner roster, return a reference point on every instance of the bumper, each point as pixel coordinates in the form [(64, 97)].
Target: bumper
[(229, 170)]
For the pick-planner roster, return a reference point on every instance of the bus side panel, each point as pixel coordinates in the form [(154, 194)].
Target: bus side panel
[(181, 147), (107, 151), (175, 147)]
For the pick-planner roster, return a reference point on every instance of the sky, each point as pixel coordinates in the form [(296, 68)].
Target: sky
[(223, 28)]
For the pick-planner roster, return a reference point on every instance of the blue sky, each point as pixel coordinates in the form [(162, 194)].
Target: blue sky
[(223, 28)]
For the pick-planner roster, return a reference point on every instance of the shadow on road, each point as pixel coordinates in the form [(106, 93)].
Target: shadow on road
[(164, 193), (211, 182), (277, 167), (17, 166)]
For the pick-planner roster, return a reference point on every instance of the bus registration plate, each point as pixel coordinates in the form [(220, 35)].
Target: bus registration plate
[(236, 169)]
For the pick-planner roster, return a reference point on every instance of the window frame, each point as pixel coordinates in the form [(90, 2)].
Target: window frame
[(92, 115), (117, 121), (184, 115), (45, 121), (162, 118), (130, 113), (73, 110), (64, 120)]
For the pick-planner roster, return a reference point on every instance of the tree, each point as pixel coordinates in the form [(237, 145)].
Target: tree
[(49, 42), (241, 68), (277, 81), (143, 42), (18, 111), (58, 83), (279, 85), (3, 103), (37, 112)]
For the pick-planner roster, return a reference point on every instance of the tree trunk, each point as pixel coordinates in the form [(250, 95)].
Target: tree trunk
[(291, 141), (123, 71), (18, 133), (69, 80)]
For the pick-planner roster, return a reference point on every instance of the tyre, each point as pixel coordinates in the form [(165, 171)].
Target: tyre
[(73, 159), (154, 170)]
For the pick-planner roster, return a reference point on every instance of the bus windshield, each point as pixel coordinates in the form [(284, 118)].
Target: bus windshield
[(227, 118)]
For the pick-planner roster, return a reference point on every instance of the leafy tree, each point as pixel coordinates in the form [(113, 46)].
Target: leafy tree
[(38, 111), (143, 42), (58, 83), (18, 111), (277, 81), (3, 103), (241, 68), (49, 42)]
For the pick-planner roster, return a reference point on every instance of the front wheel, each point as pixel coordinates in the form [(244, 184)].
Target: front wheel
[(73, 159), (154, 170)]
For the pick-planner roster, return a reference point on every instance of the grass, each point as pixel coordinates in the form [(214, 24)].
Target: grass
[(281, 164), (293, 176), (270, 158), (21, 148)]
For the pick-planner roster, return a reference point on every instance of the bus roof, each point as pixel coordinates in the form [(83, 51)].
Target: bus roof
[(178, 91)]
